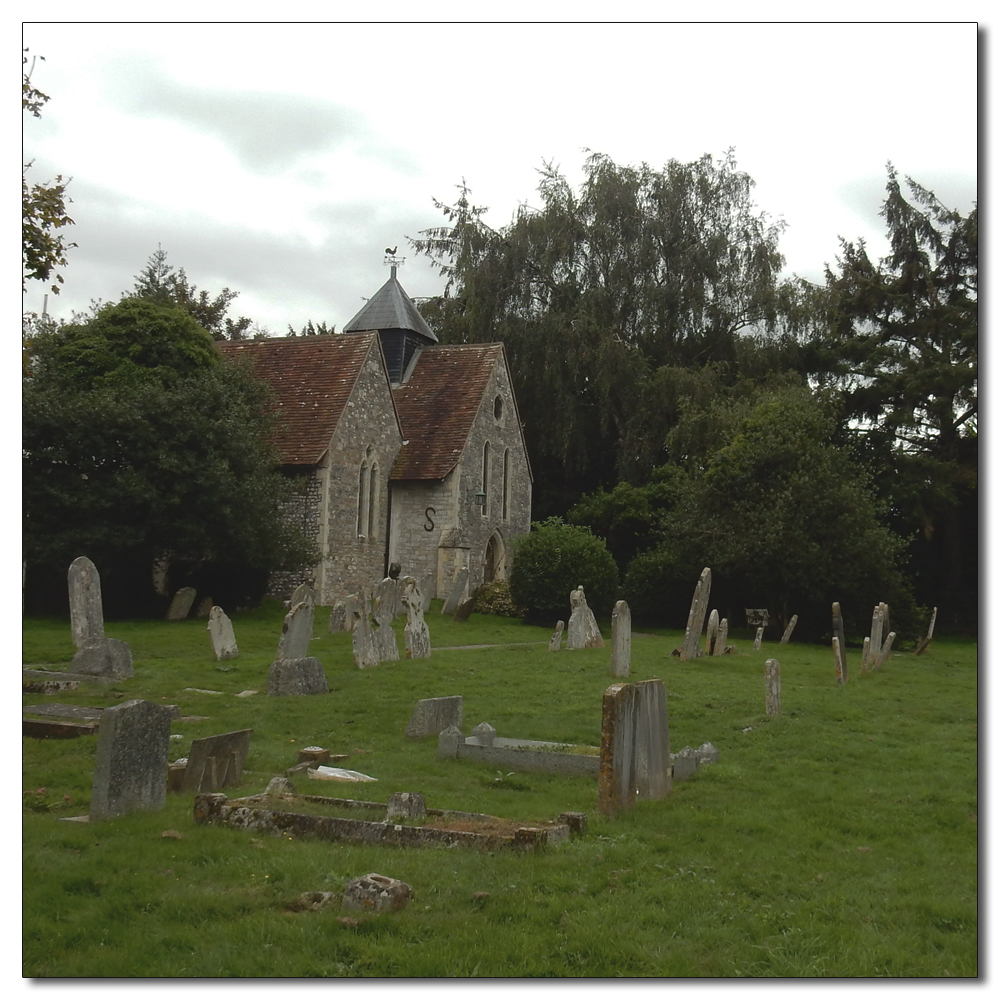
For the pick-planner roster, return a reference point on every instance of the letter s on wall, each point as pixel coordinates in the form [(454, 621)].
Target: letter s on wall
[(429, 525)]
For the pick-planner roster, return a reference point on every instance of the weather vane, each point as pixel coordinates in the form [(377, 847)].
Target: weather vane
[(391, 258)]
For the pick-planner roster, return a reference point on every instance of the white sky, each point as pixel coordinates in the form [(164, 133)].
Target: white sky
[(281, 159)]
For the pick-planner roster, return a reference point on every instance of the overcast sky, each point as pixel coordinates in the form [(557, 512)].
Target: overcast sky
[(281, 159)]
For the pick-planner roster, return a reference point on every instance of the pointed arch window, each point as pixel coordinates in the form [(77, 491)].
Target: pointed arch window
[(362, 499), (486, 479), (506, 482), (372, 500)]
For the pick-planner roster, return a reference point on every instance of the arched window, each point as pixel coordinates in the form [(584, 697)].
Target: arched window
[(372, 498), (486, 479), (362, 499), (506, 480)]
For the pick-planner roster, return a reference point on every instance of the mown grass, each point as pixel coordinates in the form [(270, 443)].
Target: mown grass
[(838, 839)]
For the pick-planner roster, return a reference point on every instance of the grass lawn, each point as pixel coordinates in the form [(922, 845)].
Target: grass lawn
[(838, 839)]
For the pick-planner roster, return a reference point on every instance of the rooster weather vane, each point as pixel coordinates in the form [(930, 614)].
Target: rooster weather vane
[(391, 258)]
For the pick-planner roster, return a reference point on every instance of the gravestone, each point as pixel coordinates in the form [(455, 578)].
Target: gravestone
[(363, 638), (685, 764), (466, 608), (433, 715), (220, 629), (130, 770), (449, 741), (103, 658), (838, 662), (884, 652), (302, 593), (880, 618), (772, 687), (204, 608), (86, 612), (342, 614), (926, 641), (621, 640), (712, 633), (696, 616), (180, 606), (384, 611), (416, 636), (792, 622), (298, 675), (865, 651), (216, 762), (405, 805), (721, 638), (652, 741), (457, 592), (374, 893), (556, 641), (840, 651), (758, 637), (485, 733), (582, 631), (296, 631)]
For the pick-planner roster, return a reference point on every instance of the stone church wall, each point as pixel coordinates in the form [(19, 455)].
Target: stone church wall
[(422, 511), (302, 509)]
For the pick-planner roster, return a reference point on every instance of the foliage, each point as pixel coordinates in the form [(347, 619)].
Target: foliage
[(312, 330), (139, 440), (553, 560), (494, 599), (658, 585), (43, 206)]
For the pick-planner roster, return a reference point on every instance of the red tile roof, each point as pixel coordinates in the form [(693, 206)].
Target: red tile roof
[(438, 405), (312, 378)]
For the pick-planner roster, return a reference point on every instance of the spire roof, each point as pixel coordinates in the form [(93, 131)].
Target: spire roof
[(390, 308)]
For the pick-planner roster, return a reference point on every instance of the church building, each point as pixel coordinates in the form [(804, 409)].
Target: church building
[(403, 450)]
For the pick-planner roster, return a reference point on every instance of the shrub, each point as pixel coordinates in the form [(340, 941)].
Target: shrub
[(556, 558), (494, 599), (658, 588)]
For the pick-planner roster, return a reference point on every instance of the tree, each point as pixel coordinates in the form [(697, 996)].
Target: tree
[(159, 282), (43, 206), (312, 330), (595, 290), (140, 441)]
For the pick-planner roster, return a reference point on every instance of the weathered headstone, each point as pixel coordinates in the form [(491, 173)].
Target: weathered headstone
[(416, 636), (866, 647), (303, 592), (103, 658), (707, 754), (556, 641), (405, 805), (86, 613), (216, 762), (374, 893), (837, 623), (926, 641), (204, 608), (884, 652), (342, 614), (838, 662), (652, 741), (880, 619), (449, 740), (772, 687), (220, 629), (457, 592), (792, 622), (621, 640), (712, 632), (432, 715), (582, 631), (685, 764), (298, 675), (758, 637), (721, 637), (696, 616), (296, 631), (180, 606), (384, 611), (130, 770), (363, 638)]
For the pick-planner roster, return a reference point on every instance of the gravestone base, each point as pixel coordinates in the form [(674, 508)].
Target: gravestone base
[(302, 675)]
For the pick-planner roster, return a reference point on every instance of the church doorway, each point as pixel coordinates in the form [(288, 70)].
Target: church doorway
[(493, 563)]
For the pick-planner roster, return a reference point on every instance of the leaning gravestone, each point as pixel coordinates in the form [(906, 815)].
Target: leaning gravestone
[(180, 606), (130, 771), (363, 638), (582, 631), (434, 715), (792, 622), (837, 622), (296, 631), (712, 633), (416, 635), (301, 675), (216, 762), (556, 641), (621, 640), (772, 687), (104, 658), (220, 629), (86, 614), (758, 637), (926, 641), (457, 592), (696, 616)]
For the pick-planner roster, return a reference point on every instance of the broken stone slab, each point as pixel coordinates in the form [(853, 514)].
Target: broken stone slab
[(685, 763), (110, 658), (220, 630), (303, 675), (772, 687), (130, 770), (86, 611), (180, 606), (405, 805), (582, 631), (556, 641), (374, 893), (432, 715), (296, 631), (216, 762), (326, 773), (621, 640)]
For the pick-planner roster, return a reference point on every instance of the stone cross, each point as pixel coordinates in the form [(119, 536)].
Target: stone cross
[(712, 633), (86, 613), (296, 631), (841, 647), (772, 687), (621, 640), (180, 606), (758, 637), (130, 770), (363, 639), (926, 641), (416, 635), (220, 628), (582, 631), (792, 622), (721, 638), (696, 616), (556, 641), (384, 611)]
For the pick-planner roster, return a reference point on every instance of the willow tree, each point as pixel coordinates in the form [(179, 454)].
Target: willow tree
[(596, 289)]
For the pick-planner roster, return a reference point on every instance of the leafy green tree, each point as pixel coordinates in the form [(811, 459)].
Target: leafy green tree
[(140, 440), (43, 206), (312, 330)]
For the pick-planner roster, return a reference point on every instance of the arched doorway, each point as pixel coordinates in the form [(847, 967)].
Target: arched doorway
[(494, 562)]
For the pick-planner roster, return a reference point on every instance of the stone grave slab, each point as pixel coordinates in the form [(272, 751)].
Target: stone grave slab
[(216, 762), (432, 715)]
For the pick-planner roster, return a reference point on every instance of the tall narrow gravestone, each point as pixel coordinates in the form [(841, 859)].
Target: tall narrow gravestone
[(621, 640), (296, 631), (220, 630), (180, 606), (838, 664), (792, 622), (721, 638), (416, 636), (758, 637), (582, 631), (363, 638), (926, 641), (712, 633), (130, 771), (556, 641), (86, 614), (384, 611), (696, 616), (837, 623), (457, 592), (772, 687)]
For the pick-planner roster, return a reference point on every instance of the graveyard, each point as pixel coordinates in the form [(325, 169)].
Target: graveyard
[(615, 803)]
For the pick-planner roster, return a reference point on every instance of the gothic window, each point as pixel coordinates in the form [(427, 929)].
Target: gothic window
[(372, 499), (362, 499), (486, 479), (506, 481)]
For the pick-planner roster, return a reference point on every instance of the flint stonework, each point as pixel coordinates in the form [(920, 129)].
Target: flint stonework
[(792, 622), (220, 629), (110, 658), (582, 631), (621, 640), (130, 770), (433, 715), (180, 606), (86, 613), (772, 687), (301, 675), (296, 631), (556, 641), (696, 616)]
